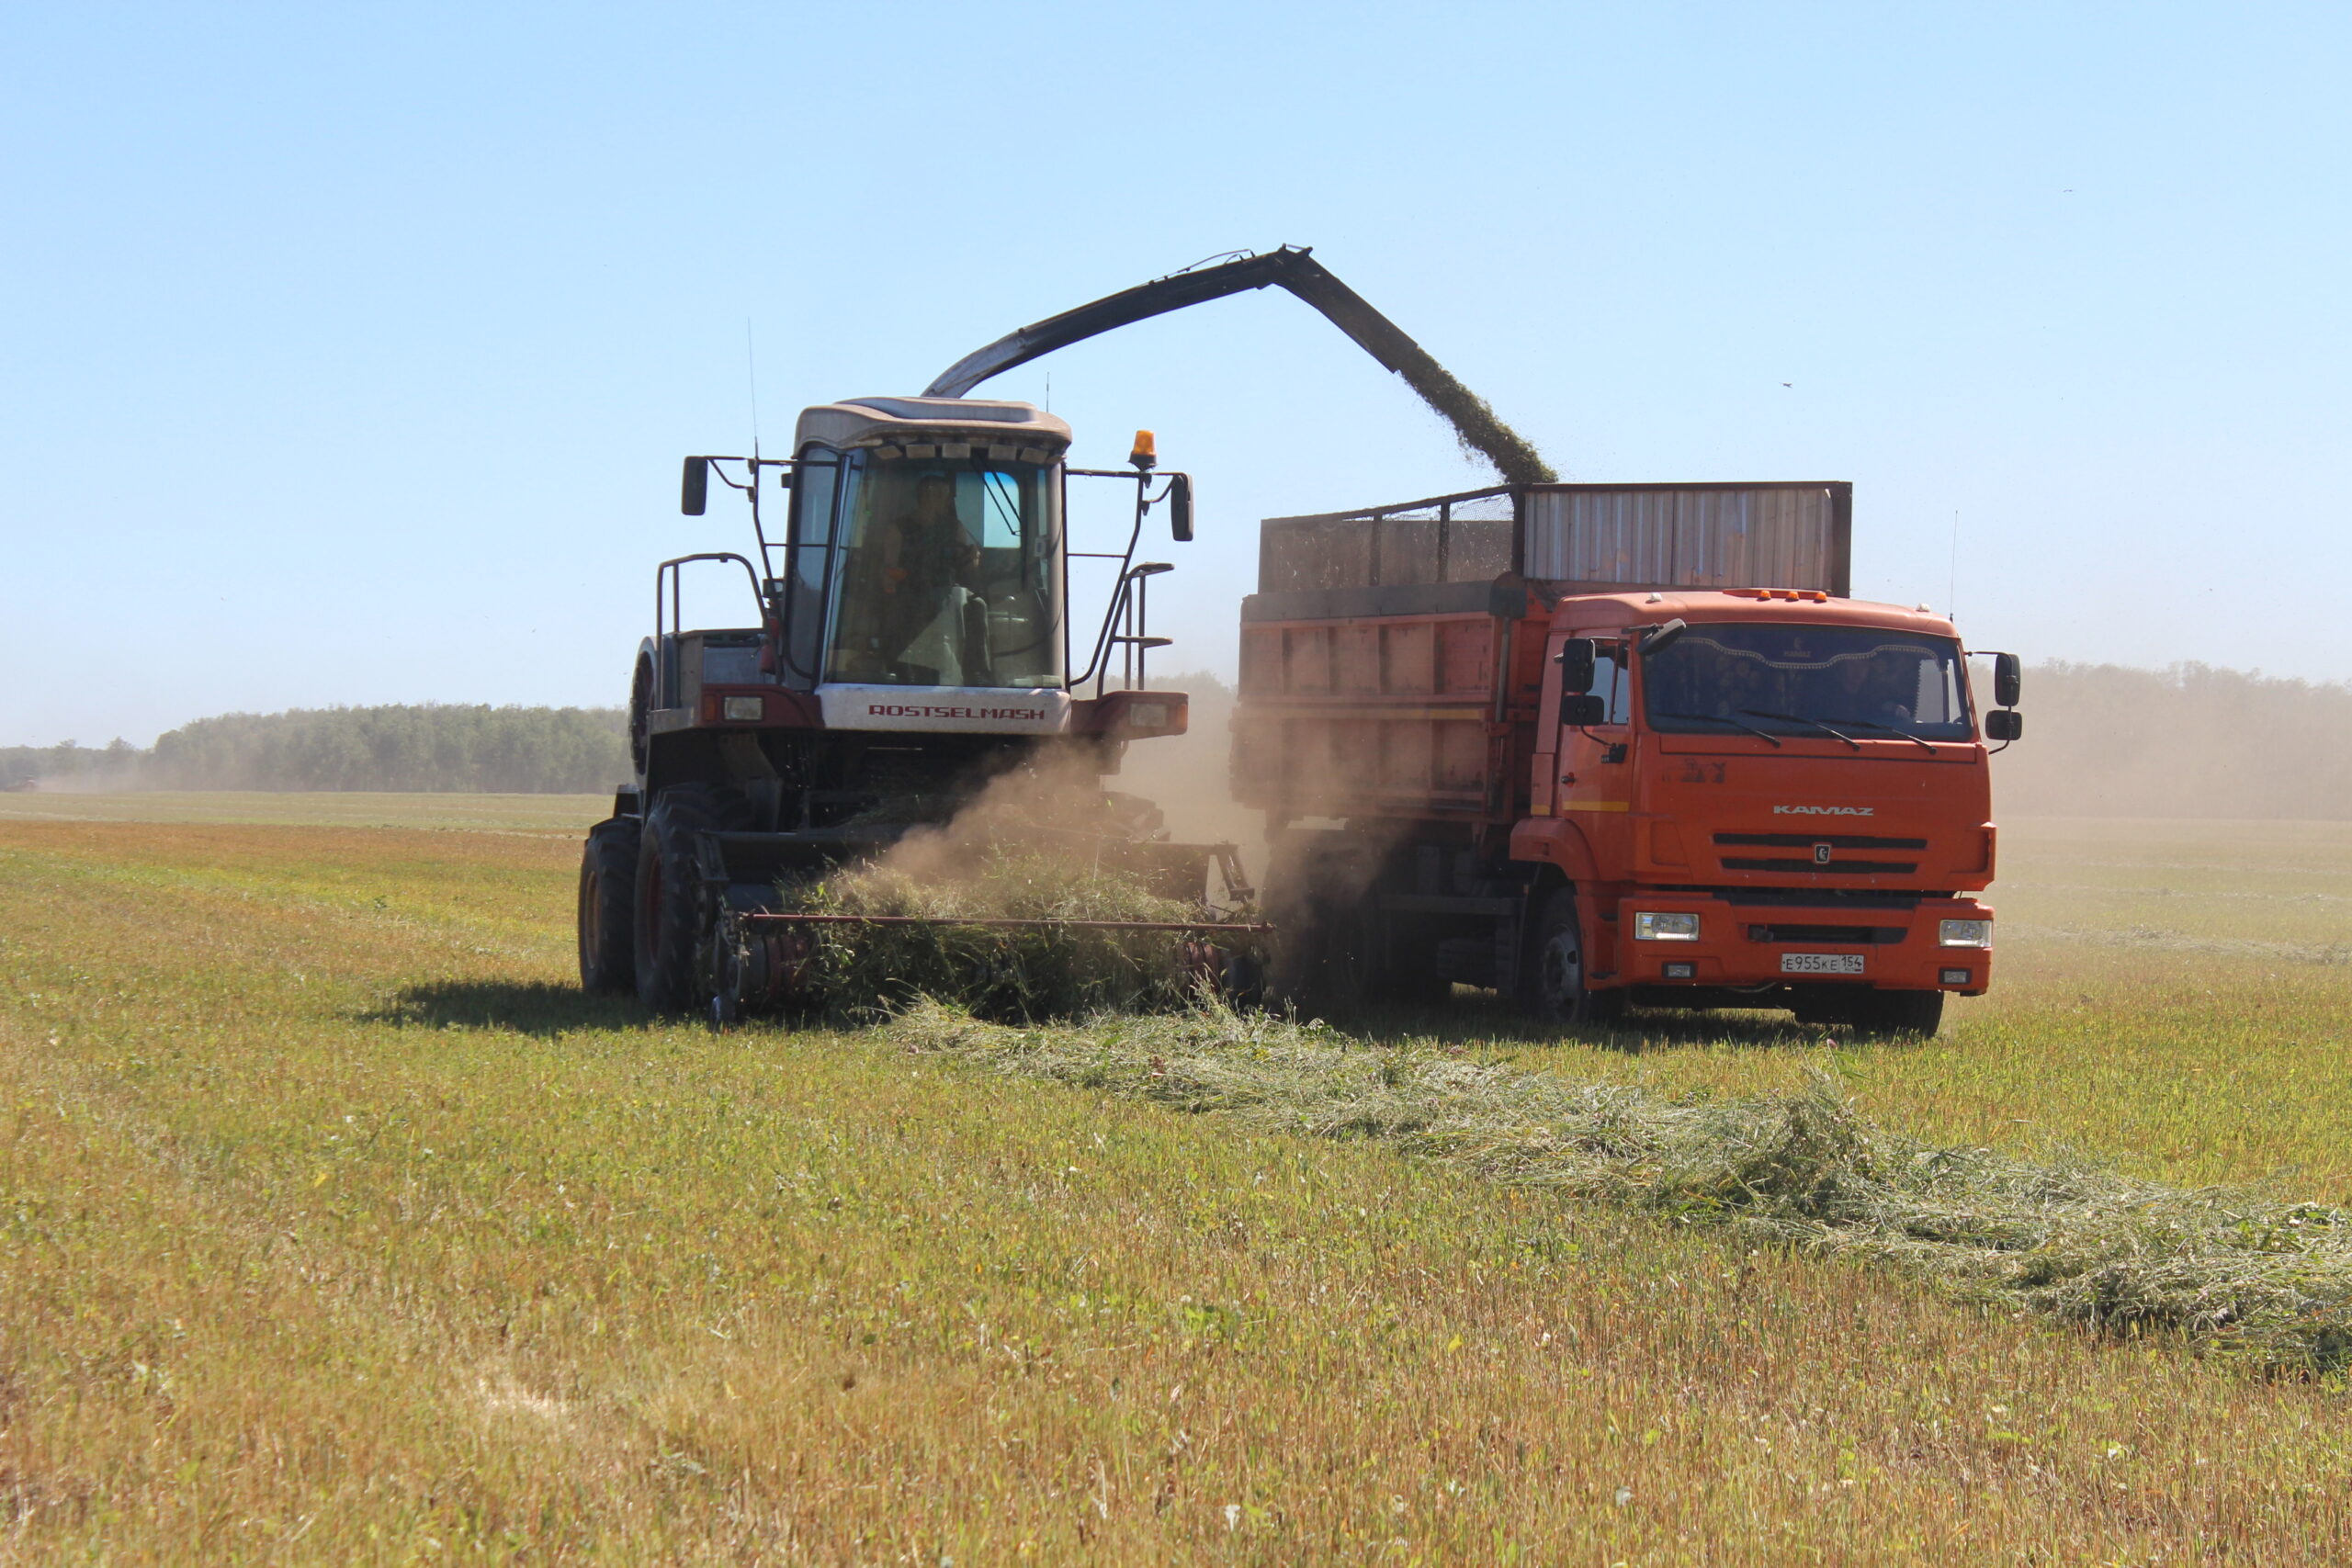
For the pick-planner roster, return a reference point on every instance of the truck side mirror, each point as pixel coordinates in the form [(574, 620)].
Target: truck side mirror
[(694, 487), (1580, 709), (1574, 658), (1180, 508), (1658, 638), (2008, 671), (2003, 724)]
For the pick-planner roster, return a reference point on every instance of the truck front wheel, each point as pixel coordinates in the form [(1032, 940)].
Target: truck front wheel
[(1555, 972), (1898, 1013)]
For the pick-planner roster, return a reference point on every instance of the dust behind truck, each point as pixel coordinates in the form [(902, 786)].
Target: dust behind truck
[(1596, 745)]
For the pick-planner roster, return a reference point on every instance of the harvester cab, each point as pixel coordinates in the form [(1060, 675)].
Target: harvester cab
[(914, 640)]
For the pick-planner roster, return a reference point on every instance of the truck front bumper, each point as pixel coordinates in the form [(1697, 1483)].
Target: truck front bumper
[(1751, 945)]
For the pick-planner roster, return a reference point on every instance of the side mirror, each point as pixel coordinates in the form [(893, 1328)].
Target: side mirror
[(2003, 724), (1658, 638), (1574, 658), (1580, 709), (694, 487), (2008, 671), (1180, 508)]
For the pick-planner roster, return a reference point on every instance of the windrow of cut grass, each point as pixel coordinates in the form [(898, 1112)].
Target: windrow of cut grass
[(2228, 1271)]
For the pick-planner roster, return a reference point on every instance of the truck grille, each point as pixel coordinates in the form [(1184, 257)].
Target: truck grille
[(1840, 898), (1806, 840), (1836, 865), (1862, 936), (1833, 866)]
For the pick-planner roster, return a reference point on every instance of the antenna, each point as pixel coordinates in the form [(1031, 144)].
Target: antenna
[(1952, 585), (751, 365)]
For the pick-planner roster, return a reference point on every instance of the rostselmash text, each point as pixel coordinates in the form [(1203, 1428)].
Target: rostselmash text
[(1823, 811), (918, 710)]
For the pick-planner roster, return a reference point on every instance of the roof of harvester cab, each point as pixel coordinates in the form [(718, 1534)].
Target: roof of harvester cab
[(876, 422)]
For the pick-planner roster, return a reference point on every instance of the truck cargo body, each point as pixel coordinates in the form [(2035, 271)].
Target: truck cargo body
[(1715, 840)]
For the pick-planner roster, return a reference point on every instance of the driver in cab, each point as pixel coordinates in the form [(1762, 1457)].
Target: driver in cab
[(930, 565)]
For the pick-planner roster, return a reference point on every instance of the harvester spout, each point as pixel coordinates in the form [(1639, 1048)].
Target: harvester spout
[(1476, 424)]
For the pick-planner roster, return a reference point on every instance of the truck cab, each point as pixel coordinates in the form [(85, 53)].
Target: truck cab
[(1764, 792)]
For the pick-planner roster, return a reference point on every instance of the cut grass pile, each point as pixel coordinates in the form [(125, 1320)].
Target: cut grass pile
[(2232, 1273), (860, 972)]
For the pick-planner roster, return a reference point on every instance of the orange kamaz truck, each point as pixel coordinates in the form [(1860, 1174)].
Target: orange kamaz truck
[(1589, 745)]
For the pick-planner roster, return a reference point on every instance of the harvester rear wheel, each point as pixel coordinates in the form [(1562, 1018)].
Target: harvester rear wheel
[(1555, 971), (669, 891), (607, 904)]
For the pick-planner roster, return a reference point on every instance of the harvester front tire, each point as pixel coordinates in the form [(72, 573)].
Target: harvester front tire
[(608, 906), (1556, 971), (669, 892), (1884, 1014)]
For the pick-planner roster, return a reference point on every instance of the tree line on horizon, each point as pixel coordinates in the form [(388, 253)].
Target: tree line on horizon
[(437, 748), (2100, 740)]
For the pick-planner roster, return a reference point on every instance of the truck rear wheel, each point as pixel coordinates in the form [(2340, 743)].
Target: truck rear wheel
[(607, 903), (1898, 1013), (1307, 973), (669, 891), (1555, 971)]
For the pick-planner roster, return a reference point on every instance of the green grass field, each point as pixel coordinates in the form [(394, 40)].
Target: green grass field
[(336, 1226)]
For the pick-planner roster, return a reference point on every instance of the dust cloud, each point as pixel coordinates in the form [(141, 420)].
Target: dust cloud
[(2193, 741), (1051, 806), (1188, 775)]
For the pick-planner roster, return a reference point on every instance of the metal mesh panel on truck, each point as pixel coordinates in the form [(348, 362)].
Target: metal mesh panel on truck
[(1783, 534), (1465, 538), (1743, 536)]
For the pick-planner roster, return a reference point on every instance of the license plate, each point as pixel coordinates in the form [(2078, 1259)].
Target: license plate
[(1821, 963)]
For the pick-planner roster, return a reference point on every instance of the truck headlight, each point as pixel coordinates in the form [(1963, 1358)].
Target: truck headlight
[(1964, 933), (746, 710), (1666, 928)]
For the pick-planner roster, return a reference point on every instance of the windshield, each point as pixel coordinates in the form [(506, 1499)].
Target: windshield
[(1784, 679), (949, 573)]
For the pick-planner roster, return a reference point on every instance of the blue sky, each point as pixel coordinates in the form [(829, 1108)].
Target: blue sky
[(351, 350)]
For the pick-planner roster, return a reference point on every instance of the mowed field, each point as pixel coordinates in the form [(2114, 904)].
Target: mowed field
[(335, 1225)]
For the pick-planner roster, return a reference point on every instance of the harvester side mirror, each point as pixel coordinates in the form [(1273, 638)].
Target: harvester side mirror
[(2003, 724), (1581, 708), (1180, 508), (694, 487), (1658, 638), (2009, 672), (1576, 658)]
